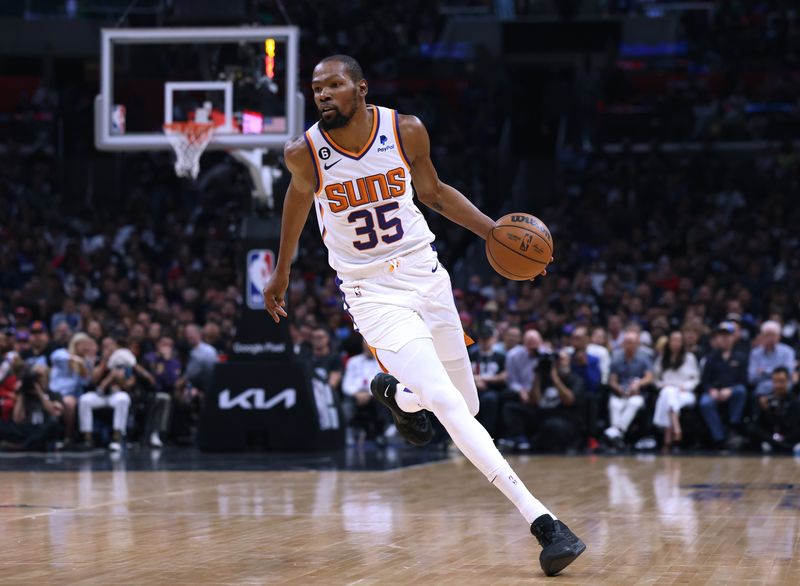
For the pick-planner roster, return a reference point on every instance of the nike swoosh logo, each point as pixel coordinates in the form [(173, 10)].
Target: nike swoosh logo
[(386, 391), (434, 269), (327, 166)]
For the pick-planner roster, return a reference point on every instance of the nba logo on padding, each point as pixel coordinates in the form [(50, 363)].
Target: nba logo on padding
[(260, 264)]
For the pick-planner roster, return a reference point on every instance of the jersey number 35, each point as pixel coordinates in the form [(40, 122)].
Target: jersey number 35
[(391, 228)]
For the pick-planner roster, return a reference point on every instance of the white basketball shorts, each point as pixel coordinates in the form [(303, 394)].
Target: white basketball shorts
[(406, 298)]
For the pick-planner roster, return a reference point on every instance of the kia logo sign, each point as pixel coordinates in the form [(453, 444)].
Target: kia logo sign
[(257, 399)]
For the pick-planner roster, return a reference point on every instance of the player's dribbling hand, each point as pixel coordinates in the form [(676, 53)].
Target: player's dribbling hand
[(274, 292)]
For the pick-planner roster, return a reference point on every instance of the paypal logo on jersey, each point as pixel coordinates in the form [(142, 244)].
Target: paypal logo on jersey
[(383, 148)]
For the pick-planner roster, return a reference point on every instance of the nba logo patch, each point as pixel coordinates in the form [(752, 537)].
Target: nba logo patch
[(260, 264), (118, 119)]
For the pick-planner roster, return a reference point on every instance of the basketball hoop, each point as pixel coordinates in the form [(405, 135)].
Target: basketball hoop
[(188, 140)]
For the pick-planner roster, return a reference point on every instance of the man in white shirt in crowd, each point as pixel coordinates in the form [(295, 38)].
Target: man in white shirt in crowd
[(768, 353), (631, 371)]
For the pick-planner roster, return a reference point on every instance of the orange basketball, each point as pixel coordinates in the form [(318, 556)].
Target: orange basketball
[(519, 247)]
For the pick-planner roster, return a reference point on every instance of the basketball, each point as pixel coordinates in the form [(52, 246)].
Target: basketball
[(519, 247)]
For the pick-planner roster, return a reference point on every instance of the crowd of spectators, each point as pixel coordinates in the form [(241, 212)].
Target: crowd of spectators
[(155, 279)]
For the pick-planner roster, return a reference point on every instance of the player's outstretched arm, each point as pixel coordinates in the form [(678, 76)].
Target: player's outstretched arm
[(431, 191), (296, 205)]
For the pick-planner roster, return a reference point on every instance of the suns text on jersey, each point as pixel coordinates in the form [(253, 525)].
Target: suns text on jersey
[(364, 190)]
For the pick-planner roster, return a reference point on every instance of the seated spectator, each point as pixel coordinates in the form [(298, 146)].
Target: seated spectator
[(170, 377), (301, 340), (676, 377), (40, 347), (551, 415), (68, 314), (521, 362), (614, 331), (511, 338), (776, 425), (137, 336), (202, 358), (630, 371), (644, 344), (326, 374), (599, 347), (113, 391), (61, 335), (9, 360), (71, 372), (359, 406), (36, 418), (723, 380), (586, 365), (693, 337), (741, 341), (154, 334), (159, 375), (95, 330), (768, 353), (212, 335), (583, 363), (489, 371), (22, 343)]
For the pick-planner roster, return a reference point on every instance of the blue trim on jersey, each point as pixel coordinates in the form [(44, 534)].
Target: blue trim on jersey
[(313, 162), (366, 149), (397, 132)]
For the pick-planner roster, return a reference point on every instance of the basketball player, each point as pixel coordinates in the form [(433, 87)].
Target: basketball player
[(355, 167)]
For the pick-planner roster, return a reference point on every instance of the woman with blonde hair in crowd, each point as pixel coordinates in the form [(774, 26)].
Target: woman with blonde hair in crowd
[(71, 372), (676, 376)]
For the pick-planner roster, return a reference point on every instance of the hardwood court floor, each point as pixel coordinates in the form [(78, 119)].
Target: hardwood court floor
[(647, 520)]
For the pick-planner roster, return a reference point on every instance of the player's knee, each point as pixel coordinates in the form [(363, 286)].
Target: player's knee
[(442, 399)]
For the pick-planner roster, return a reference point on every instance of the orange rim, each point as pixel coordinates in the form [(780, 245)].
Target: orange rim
[(194, 131)]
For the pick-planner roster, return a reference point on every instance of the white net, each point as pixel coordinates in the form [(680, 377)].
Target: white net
[(188, 140)]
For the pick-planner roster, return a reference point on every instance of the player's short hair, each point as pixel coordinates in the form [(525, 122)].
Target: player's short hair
[(352, 66)]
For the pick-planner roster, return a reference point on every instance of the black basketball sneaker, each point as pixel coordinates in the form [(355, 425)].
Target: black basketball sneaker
[(416, 428), (560, 546)]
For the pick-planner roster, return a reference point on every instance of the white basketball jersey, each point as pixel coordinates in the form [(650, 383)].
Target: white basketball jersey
[(364, 201)]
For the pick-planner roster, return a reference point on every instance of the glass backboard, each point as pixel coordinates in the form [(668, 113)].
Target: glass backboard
[(244, 79)]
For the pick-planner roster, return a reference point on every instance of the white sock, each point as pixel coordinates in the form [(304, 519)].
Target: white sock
[(407, 400), (515, 490)]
